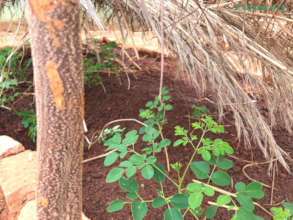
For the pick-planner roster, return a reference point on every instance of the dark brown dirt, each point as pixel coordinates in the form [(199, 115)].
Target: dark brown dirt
[(119, 102)]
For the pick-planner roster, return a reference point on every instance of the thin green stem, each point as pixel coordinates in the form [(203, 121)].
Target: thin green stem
[(162, 189), (186, 211), (169, 178), (153, 148), (143, 199), (213, 170), (194, 215), (165, 149), (191, 159)]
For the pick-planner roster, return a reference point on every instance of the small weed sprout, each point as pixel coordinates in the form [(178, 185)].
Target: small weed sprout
[(12, 72), (210, 171), (283, 214), (92, 68), (109, 132), (29, 121), (199, 111)]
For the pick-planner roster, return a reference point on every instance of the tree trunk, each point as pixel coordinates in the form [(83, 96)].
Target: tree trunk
[(57, 59)]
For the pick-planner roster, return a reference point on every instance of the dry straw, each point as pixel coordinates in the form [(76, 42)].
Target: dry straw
[(205, 35)]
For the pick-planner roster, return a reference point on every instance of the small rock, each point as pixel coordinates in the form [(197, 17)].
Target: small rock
[(3, 206), (9, 146), (29, 212), (18, 179)]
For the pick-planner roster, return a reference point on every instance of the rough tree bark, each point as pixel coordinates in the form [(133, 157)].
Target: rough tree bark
[(57, 59)]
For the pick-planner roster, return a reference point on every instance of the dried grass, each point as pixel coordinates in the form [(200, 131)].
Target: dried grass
[(229, 50)]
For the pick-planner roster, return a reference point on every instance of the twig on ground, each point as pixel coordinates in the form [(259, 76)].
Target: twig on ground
[(98, 157), (255, 164)]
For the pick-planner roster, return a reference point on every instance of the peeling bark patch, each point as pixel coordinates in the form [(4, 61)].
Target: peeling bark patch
[(58, 24), (82, 107), (40, 7), (69, 105), (56, 85)]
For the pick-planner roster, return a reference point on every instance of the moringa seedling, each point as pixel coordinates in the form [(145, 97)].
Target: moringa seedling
[(210, 172)]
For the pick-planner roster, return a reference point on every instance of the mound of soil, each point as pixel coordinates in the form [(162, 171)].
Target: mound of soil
[(120, 102)]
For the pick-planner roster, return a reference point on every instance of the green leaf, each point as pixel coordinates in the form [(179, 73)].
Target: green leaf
[(164, 143), (125, 164), (123, 153), (195, 199), (240, 187), (115, 140), (196, 125), (164, 91), (149, 104), (115, 206), (166, 98), (176, 166), (178, 142), (209, 191), (129, 185), (111, 158), (221, 178), (120, 147), (254, 190), (244, 214), (182, 141), (180, 131), (114, 175), (156, 148), (168, 107), (211, 211), (150, 135), (130, 137), (280, 214), (136, 159), (201, 169), (159, 175), (245, 201), (139, 210), (194, 187), (172, 214), (224, 164), (149, 150), (206, 155), (223, 200), (198, 111), (145, 113), (148, 172), (130, 171), (288, 206), (159, 202), (151, 159), (131, 196), (221, 148), (193, 137), (179, 201)]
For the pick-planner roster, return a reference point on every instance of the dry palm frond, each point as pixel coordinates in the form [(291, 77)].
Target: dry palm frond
[(214, 43)]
